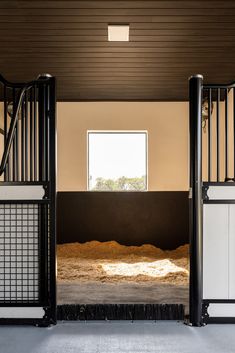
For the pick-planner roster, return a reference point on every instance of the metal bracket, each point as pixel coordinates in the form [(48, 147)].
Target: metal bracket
[(46, 190), (204, 192), (205, 315), (47, 312), (46, 320)]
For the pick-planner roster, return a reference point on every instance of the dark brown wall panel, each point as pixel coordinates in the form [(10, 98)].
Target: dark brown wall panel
[(130, 218)]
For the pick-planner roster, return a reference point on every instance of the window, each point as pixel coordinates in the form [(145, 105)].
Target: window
[(117, 160)]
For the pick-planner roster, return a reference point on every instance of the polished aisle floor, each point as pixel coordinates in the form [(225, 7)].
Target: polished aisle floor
[(118, 337)]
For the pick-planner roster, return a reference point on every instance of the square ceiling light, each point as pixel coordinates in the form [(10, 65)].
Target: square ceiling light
[(118, 33)]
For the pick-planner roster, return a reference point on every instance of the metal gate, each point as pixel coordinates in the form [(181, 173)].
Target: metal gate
[(212, 202), (28, 202)]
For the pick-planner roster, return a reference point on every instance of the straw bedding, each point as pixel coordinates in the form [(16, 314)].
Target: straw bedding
[(110, 263)]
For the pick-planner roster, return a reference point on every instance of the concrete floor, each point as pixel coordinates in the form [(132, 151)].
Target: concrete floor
[(118, 337)]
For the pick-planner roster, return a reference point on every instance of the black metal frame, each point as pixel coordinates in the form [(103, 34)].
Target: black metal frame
[(195, 200), (198, 188), (30, 159)]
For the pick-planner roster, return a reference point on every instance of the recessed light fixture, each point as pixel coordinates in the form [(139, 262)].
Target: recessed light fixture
[(118, 33)]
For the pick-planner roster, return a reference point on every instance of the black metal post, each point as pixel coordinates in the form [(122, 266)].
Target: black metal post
[(43, 222), (195, 126), (52, 177), (47, 172)]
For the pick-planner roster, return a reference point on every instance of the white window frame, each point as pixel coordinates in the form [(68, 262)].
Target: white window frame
[(118, 132)]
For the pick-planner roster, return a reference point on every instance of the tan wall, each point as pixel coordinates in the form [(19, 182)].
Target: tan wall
[(167, 126)]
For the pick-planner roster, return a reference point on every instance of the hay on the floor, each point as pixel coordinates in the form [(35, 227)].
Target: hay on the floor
[(110, 262)]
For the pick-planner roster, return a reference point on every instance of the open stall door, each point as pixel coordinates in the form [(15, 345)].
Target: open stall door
[(27, 203)]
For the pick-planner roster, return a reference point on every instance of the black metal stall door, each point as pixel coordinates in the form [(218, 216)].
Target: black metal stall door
[(27, 202), (212, 202)]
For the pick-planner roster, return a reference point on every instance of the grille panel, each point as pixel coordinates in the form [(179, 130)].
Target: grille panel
[(19, 253)]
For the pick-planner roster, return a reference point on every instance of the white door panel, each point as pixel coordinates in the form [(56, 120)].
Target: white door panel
[(221, 310), (21, 312), (215, 251), (231, 249)]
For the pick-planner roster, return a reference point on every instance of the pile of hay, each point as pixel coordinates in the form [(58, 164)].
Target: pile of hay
[(111, 262)]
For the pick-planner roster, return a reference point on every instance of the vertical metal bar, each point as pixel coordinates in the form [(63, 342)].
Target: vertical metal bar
[(226, 135), (6, 173), (14, 140), (35, 140), (218, 134), (22, 141), (43, 252), (41, 131), (10, 159), (234, 133), (17, 148), (31, 129), (41, 255), (10, 166), (26, 137), (52, 180), (46, 132), (195, 96), (41, 175), (209, 135)]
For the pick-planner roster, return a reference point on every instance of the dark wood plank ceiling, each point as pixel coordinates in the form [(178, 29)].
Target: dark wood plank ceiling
[(169, 41)]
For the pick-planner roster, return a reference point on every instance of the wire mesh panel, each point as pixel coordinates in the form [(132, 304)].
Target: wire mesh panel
[(19, 253)]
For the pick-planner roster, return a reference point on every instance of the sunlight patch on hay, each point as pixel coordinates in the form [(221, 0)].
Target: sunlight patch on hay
[(158, 268)]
